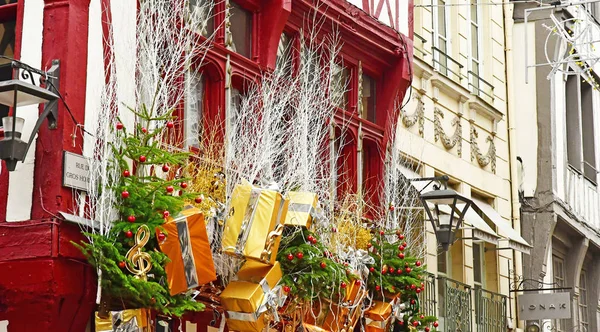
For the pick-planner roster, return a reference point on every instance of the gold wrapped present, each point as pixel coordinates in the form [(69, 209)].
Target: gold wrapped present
[(301, 209), (355, 293), (132, 320), (188, 248), (312, 328), (377, 316), (253, 228), (248, 300)]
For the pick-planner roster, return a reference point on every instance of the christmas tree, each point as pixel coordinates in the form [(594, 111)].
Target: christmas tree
[(132, 266)]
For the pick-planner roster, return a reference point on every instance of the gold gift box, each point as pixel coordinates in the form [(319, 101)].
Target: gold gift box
[(301, 208), (377, 316), (252, 229), (313, 328), (126, 317), (243, 298), (355, 293)]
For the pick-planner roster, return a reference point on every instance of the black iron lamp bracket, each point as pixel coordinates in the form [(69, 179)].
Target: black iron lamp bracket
[(440, 180)]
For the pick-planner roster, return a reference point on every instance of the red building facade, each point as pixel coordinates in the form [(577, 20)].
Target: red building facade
[(45, 284)]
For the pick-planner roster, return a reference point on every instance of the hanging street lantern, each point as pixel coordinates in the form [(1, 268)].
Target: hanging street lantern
[(15, 93), (444, 225)]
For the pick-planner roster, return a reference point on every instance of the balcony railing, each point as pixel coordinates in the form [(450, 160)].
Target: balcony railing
[(490, 311), (480, 87), (455, 305), (427, 297), (582, 197), (447, 65), (419, 45)]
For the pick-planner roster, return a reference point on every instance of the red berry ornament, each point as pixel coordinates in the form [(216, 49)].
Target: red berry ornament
[(401, 323), (165, 168), (427, 329), (290, 257), (166, 214), (436, 324), (401, 236), (198, 200), (169, 189), (310, 238), (170, 124), (412, 301), (119, 126), (383, 271), (128, 234), (357, 282), (378, 288), (125, 194), (286, 289), (144, 130), (343, 285), (422, 316), (418, 263), (418, 290), (183, 185), (126, 173), (392, 208), (416, 323), (371, 269), (142, 159), (131, 218), (323, 265), (401, 255), (413, 286), (399, 271), (401, 248), (392, 270), (369, 245), (161, 236), (408, 269), (404, 244), (122, 264), (381, 233), (300, 255)]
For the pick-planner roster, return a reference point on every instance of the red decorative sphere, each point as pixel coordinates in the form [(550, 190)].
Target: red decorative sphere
[(343, 285), (126, 173), (119, 126), (169, 189), (333, 229), (399, 271), (412, 301), (378, 288), (161, 236), (418, 263), (144, 130), (165, 168), (357, 282), (392, 208), (422, 285), (300, 255), (427, 329), (131, 218), (286, 289), (404, 244), (128, 234), (384, 271), (142, 159), (392, 270), (369, 245), (170, 124), (310, 238), (418, 290), (436, 324), (413, 286), (323, 265), (401, 323), (314, 240), (401, 248), (183, 185), (381, 233), (401, 236), (416, 323), (125, 194), (122, 264), (401, 255), (422, 317), (408, 269), (371, 269), (198, 200), (166, 214), (290, 257)]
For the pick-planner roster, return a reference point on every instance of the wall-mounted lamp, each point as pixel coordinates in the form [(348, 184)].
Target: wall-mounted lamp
[(15, 93)]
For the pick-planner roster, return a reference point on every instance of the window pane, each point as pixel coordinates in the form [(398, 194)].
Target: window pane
[(442, 259), (284, 51), (5, 2), (7, 46), (474, 10), (474, 41), (199, 8), (573, 123), (368, 98), (477, 263), (587, 126), (194, 111), (241, 30), (441, 13), (339, 81)]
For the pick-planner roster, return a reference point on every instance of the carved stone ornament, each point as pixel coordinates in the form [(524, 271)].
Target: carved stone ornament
[(417, 116), (490, 156), (228, 36), (448, 141)]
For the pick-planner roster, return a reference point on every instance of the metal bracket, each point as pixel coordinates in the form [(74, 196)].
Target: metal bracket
[(443, 179)]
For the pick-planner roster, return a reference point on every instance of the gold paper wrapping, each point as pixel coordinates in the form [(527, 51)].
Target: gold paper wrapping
[(354, 293), (313, 328), (126, 317), (247, 326), (300, 207), (242, 296), (375, 326), (255, 272), (188, 248), (252, 226), (380, 311)]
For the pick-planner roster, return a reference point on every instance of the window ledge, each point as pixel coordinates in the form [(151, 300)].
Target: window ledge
[(485, 109), (449, 87)]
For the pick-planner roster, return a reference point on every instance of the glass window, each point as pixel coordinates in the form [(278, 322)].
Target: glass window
[(7, 47), (440, 37), (583, 302), (368, 98), (558, 267), (338, 86), (477, 264), (194, 110), (241, 30), (284, 54), (475, 48), (205, 13)]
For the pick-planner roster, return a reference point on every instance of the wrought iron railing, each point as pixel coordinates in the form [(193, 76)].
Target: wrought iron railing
[(447, 65), (480, 87), (490, 311), (419, 45), (427, 297), (455, 305)]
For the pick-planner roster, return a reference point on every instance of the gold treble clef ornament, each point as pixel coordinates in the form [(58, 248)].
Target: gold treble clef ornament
[(138, 261)]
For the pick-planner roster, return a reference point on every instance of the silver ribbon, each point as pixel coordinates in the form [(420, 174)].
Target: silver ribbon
[(247, 221), (273, 299), (358, 260)]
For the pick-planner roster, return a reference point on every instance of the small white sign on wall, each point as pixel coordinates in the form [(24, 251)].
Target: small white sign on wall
[(76, 171), (3, 326)]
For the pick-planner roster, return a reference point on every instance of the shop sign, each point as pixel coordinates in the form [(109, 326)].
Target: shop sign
[(545, 306), (76, 171)]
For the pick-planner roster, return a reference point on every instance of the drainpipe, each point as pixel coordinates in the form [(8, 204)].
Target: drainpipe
[(512, 157)]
